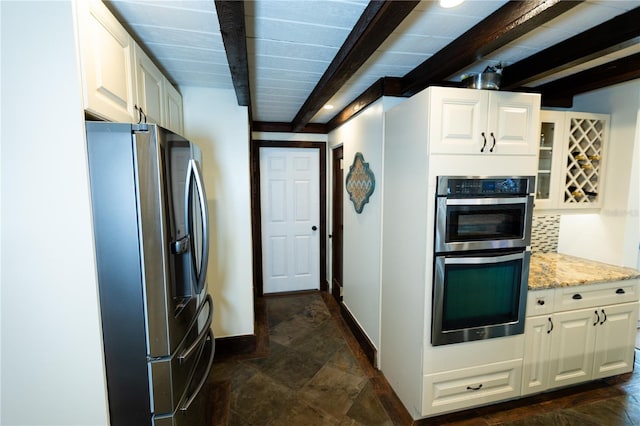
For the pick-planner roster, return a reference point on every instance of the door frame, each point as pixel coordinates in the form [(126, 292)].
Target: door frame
[(337, 208), (256, 214)]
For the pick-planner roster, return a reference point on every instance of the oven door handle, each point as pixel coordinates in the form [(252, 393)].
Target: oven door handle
[(485, 259), (486, 201)]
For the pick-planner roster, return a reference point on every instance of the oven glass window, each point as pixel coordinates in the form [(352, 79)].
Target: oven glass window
[(478, 295), (478, 223)]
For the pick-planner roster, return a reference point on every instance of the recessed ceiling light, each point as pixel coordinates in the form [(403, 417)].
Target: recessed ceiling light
[(328, 106), (450, 3)]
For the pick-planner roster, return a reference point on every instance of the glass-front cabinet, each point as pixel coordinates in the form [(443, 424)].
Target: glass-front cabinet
[(549, 156), (571, 160)]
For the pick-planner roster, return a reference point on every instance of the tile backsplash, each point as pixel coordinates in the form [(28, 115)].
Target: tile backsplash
[(544, 233)]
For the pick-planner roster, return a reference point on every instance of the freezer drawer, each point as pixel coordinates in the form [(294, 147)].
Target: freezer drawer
[(194, 407), (171, 376)]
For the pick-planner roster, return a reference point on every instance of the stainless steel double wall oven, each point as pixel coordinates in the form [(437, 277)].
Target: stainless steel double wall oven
[(481, 262)]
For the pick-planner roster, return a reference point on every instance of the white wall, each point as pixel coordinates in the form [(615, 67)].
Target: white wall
[(613, 234), (52, 364), (363, 232), (213, 120)]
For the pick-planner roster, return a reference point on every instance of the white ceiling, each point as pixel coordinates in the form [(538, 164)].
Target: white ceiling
[(291, 43)]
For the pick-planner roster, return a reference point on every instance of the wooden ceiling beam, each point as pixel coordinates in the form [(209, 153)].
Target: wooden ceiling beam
[(272, 126), (608, 37), (386, 86), (614, 72), (233, 30), (378, 20), (511, 21)]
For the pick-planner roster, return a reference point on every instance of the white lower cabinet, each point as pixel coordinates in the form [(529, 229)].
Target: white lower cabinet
[(615, 340), (469, 387), (574, 346), (572, 340), (537, 344)]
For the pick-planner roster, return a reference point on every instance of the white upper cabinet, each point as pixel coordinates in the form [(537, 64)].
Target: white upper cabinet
[(571, 158), (469, 121), (118, 77), (549, 159), (173, 109), (106, 54), (150, 88)]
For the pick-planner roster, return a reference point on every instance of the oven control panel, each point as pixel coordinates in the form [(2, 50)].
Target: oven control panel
[(484, 186)]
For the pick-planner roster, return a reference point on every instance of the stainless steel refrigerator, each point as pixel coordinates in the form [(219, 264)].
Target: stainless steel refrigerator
[(151, 235)]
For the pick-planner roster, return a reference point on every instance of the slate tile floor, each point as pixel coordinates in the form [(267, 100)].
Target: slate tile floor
[(314, 374), (309, 377)]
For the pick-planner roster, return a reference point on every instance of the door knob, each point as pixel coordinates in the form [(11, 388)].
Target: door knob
[(314, 228)]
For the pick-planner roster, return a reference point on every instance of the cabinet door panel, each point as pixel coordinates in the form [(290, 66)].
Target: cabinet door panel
[(107, 63), (458, 120), (535, 375), (513, 122), (173, 109), (550, 159), (572, 347), (615, 340), (150, 88)]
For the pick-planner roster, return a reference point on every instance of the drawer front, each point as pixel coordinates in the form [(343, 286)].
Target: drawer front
[(469, 387), (587, 296), (539, 302)]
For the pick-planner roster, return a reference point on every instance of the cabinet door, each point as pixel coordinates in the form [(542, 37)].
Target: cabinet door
[(513, 123), (150, 96), (173, 108), (550, 152), (537, 344), (615, 339), (458, 121), (573, 338), (106, 55)]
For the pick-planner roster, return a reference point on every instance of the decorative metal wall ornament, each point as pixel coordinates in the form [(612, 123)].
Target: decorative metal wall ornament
[(360, 182)]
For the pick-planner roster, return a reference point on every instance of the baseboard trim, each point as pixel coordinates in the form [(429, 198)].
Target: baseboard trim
[(335, 291), (247, 346), (237, 345), (362, 339)]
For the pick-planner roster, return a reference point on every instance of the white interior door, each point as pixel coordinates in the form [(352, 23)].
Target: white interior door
[(289, 200)]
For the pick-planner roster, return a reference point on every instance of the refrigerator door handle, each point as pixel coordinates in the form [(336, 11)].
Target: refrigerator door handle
[(203, 379), (186, 353), (181, 246), (194, 170)]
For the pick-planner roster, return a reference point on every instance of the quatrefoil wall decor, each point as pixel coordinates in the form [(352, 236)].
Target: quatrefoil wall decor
[(360, 182)]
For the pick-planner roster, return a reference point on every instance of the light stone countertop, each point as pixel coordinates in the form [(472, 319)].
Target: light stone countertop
[(551, 270)]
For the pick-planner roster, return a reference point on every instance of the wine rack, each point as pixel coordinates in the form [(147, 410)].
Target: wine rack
[(586, 139)]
